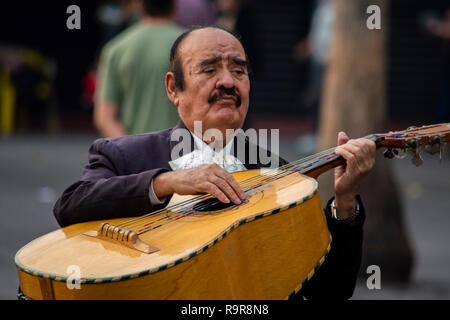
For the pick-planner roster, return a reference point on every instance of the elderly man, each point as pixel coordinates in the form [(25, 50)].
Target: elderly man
[(208, 82)]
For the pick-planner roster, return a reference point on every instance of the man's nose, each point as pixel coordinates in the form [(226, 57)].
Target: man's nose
[(225, 80)]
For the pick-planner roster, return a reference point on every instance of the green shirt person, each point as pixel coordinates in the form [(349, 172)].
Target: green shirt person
[(131, 97)]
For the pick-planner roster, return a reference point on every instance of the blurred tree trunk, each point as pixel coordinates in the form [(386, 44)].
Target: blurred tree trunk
[(354, 101)]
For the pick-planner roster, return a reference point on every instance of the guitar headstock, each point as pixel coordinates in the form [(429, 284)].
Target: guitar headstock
[(433, 138)]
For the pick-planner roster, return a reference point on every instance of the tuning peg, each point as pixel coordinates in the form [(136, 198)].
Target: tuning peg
[(413, 146), (399, 153), (437, 144), (388, 154), (416, 157), (413, 143), (395, 153), (434, 145)]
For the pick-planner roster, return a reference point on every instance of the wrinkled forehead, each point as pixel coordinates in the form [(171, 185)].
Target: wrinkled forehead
[(209, 43)]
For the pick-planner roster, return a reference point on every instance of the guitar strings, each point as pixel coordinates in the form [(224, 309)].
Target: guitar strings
[(179, 214), (259, 179), (269, 174), (196, 199), (147, 226)]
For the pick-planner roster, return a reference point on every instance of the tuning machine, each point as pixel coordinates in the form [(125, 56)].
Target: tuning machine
[(395, 153), (413, 146), (434, 145), (388, 153), (437, 144)]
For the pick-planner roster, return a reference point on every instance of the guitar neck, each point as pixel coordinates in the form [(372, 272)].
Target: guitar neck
[(319, 163), (432, 137)]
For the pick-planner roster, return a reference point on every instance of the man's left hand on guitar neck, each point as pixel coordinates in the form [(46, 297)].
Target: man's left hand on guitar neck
[(359, 155)]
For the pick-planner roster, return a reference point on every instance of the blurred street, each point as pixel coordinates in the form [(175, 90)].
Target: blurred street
[(36, 168)]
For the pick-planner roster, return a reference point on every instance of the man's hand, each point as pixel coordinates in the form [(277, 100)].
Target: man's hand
[(207, 178), (360, 158)]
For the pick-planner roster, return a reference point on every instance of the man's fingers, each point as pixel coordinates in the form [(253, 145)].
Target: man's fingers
[(345, 152), (223, 181), (349, 157), (225, 187), (212, 189), (359, 155), (349, 146), (366, 151), (342, 138), (212, 179), (232, 183)]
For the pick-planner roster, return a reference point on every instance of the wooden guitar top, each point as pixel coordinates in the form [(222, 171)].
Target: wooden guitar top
[(51, 255)]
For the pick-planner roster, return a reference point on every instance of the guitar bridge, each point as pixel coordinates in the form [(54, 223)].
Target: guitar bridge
[(121, 236)]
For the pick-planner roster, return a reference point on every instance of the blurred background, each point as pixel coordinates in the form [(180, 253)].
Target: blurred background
[(316, 69)]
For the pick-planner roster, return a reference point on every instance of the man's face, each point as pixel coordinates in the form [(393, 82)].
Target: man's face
[(217, 86)]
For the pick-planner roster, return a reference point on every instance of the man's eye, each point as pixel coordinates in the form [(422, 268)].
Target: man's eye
[(239, 71), (210, 71)]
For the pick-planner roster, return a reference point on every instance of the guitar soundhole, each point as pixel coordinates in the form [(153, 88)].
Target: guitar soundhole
[(212, 205)]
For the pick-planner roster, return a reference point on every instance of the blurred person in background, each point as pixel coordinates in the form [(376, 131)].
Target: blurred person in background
[(27, 99), (440, 27), (130, 95), (316, 48), (114, 16), (191, 13), (228, 11), (237, 16)]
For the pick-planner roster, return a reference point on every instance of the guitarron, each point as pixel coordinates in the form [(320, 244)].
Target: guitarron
[(198, 248)]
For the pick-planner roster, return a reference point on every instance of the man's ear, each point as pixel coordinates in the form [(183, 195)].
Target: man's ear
[(171, 88)]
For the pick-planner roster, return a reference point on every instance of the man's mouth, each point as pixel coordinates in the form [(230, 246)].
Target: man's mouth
[(222, 95), (226, 98)]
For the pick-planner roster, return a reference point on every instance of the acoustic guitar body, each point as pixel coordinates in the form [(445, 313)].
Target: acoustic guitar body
[(265, 248)]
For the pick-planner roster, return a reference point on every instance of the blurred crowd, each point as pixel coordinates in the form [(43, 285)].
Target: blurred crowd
[(438, 26), (27, 77)]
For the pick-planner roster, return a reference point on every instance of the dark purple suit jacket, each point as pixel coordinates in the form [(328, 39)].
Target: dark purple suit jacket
[(115, 183)]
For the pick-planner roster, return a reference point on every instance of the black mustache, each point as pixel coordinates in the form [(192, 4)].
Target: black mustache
[(225, 92)]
